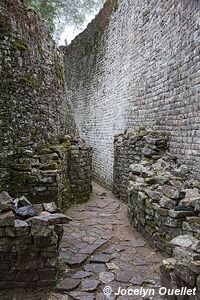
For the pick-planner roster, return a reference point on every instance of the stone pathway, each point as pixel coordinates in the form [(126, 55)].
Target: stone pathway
[(100, 249)]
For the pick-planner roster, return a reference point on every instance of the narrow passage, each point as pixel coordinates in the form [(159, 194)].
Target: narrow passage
[(101, 249)]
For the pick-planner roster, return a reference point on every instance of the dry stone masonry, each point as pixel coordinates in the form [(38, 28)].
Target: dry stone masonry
[(143, 69), (164, 205), (41, 155), (54, 172), (29, 243)]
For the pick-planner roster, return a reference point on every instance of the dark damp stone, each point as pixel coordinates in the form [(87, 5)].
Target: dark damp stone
[(184, 208)]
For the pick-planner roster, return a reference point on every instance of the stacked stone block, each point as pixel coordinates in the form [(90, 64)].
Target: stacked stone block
[(127, 150), (183, 269), (28, 247), (58, 172), (163, 202)]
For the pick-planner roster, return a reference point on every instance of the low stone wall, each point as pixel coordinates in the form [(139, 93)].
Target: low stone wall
[(163, 202), (127, 150), (54, 172), (164, 205), (182, 272), (28, 246)]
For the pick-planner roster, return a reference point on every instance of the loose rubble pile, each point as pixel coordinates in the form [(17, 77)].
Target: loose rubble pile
[(183, 270), (29, 243), (59, 172), (163, 202)]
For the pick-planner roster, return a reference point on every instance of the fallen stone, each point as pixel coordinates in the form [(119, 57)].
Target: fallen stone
[(50, 219), (50, 207), (185, 241), (7, 219), (21, 202), (68, 284), (38, 208), (180, 214), (6, 202), (106, 277), (89, 285), (26, 212)]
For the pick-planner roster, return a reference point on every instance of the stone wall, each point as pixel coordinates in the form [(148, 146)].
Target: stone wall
[(182, 271), (163, 202), (36, 116), (58, 172), (141, 68), (28, 248)]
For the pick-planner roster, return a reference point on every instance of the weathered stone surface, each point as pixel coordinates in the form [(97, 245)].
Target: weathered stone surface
[(171, 192), (180, 214), (6, 202), (26, 211), (89, 285), (81, 274), (101, 258), (185, 241), (106, 277), (78, 259), (96, 268), (6, 219), (82, 295), (50, 207), (68, 284), (21, 202), (20, 229), (50, 219)]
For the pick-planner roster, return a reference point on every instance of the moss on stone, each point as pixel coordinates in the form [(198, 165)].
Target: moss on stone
[(19, 45), (29, 81)]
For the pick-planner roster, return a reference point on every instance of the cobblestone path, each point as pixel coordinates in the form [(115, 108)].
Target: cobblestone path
[(99, 249)]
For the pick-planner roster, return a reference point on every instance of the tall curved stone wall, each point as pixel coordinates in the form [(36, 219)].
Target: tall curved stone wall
[(34, 108), (40, 154), (137, 63)]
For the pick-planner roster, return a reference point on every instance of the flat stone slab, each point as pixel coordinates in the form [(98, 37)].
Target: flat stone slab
[(50, 219), (96, 268), (81, 295), (68, 284), (77, 260), (89, 285), (101, 258), (81, 274), (106, 277)]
